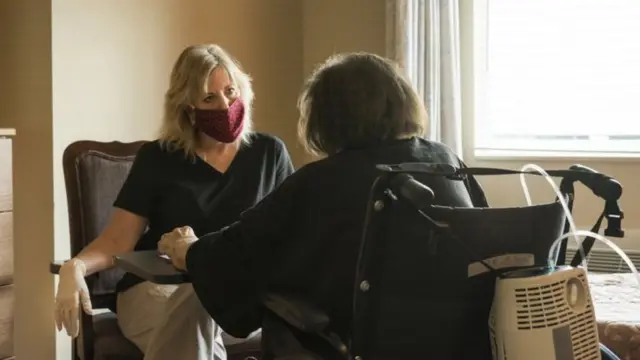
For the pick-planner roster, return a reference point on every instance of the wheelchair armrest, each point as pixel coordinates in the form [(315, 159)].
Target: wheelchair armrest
[(297, 312), (54, 266), (145, 264), (151, 267)]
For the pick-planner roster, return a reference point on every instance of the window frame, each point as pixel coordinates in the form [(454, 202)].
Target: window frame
[(474, 55)]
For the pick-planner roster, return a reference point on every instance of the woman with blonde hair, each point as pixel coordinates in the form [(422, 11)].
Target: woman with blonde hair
[(205, 169), (303, 240)]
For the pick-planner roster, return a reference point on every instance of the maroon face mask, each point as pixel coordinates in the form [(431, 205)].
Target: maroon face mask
[(222, 125)]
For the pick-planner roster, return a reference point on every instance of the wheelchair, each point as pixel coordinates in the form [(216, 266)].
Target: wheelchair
[(413, 297)]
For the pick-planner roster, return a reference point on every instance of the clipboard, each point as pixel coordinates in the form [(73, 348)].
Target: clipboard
[(151, 266)]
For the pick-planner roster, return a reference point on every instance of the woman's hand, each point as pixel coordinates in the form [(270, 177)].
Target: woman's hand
[(176, 243), (72, 292)]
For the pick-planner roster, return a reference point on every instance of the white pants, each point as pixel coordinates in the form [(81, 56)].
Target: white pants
[(167, 322)]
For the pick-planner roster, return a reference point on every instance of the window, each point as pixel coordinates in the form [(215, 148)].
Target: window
[(557, 77)]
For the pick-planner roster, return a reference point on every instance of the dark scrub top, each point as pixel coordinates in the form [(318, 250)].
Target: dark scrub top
[(171, 190), (304, 238)]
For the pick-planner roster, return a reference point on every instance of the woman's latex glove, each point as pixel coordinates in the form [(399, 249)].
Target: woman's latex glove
[(176, 243), (72, 293)]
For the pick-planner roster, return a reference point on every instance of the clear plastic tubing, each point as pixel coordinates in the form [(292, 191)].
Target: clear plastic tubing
[(552, 259), (573, 230)]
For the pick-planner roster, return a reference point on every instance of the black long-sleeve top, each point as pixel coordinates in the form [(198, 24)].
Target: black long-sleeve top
[(303, 238)]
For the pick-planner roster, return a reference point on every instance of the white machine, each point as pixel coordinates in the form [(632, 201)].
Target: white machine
[(544, 313)]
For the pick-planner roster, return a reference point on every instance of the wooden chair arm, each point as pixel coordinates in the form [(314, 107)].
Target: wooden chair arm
[(54, 266)]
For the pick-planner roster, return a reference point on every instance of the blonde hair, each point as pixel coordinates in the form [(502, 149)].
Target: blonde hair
[(188, 82)]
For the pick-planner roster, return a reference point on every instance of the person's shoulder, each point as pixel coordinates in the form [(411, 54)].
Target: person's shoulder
[(154, 149), (149, 150), (266, 141), (159, 152), (317, 167), (150, 147), (432, 145), (268, 147), (436, 152)]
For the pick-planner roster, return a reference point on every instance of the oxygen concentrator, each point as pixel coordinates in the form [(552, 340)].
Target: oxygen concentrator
[(543, 313)]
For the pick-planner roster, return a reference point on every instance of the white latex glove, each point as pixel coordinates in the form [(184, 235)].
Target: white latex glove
[(176, 243), (72, 292)]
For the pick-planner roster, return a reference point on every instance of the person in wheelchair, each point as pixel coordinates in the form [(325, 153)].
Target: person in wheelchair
[(204, 170), (302, 240)]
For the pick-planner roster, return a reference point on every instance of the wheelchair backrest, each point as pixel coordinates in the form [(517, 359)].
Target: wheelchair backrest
[(414, 296)]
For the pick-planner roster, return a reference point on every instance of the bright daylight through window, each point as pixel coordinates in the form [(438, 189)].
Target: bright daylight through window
[(558, 76)]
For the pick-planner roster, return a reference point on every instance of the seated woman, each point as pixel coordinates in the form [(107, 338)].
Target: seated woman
[(205, 169), (304, 238)]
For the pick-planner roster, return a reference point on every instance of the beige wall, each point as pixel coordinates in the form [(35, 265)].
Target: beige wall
[(75, 70), (97, 70), (334, 26), (26, 104)]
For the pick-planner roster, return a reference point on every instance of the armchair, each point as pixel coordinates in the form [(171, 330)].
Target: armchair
[(94, 173)]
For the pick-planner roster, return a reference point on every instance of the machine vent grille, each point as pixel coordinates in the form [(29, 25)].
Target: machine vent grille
[(546, 306), (607, 261), (542, 306)]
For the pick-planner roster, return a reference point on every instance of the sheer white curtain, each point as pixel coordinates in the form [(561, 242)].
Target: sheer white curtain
[(424, 37)]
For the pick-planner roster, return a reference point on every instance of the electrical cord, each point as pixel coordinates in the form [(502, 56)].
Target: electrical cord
[(552, 260), (563, 202)]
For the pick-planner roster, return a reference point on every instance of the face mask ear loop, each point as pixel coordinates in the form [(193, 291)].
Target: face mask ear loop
[(188, 111)]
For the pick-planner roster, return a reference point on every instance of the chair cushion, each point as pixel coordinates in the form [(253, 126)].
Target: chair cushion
[(110, 344)]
